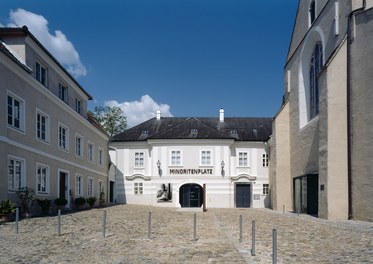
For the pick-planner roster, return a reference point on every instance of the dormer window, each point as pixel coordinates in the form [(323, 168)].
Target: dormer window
[(194, 132), (41, 74), (312, 13)]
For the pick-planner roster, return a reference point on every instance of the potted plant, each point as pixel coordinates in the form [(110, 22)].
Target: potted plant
[(102, 198), (44, 205), (79, 202), (91, 201), (7, 209), (60, 203), (26, 197)]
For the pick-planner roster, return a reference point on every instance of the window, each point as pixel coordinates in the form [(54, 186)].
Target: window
[(242, 159), (206, 157), (62, 92), (16, 108), (315, 68), (42, 174), (265, 160), (138, 188), (63, 137), (100, 186), (175, 157), (90, 153), (139, 159), (265, 188), (78, 146), (41, 74), (16, 173), (312, 13), (90, 187), (100, 156), (79, 185), (78, 105), (42, 126)]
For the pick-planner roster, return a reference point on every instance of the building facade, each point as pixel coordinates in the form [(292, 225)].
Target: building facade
[(193, 162), (320, 150), (48, 141)]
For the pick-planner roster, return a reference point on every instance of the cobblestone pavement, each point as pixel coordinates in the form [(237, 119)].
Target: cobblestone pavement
[(300, 239)]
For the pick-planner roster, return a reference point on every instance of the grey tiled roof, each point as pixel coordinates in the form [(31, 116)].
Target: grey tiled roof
[(237, 128)]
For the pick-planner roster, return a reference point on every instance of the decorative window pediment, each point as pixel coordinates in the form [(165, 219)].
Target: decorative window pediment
[(243, 176), (138, 176)]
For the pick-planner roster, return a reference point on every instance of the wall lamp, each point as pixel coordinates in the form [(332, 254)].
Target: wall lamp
[(222, 168), (159, 168)]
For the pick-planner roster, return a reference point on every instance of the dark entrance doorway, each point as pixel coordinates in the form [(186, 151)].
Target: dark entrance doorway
[(190, 195), (243, 195), (63, 187), (111, 196), (306, 195)]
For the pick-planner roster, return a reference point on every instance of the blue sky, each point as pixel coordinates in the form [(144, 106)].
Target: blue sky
[(184, 57)]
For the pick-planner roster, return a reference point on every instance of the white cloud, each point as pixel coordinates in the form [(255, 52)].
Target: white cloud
[(140, 111), (56, 43)]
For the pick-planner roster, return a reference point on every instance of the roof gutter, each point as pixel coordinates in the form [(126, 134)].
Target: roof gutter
[(349, 133)]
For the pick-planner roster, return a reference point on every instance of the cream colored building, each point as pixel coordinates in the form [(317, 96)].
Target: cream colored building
[(320, 147), (48, 142)]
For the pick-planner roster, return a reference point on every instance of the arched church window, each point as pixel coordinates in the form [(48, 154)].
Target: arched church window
[(315, 68)]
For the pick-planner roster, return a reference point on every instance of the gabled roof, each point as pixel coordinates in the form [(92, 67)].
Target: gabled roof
[(24, 31), (236, 128)]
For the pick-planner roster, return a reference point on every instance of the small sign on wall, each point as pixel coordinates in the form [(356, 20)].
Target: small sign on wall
[(256, 196)]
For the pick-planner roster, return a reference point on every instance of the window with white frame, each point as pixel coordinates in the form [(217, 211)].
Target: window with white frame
[(42, 126), (138, 188), (90, 186), (41, 73), (242, 159), (100, 186), (62, 92), (265, 160), (42, 179), (78, 105), (16, 173), (175, 157), (78, 145), (91, 151), (16, 112), (206, 157), (100, 156), (78, 185), (265, 188), (63, 137), (139, 159)]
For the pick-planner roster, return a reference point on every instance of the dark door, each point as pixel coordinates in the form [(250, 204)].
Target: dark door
[(62, 184), (111, 197), (243, 195), (190, 195)]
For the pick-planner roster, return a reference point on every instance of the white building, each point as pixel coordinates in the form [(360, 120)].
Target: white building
[(190, 162)]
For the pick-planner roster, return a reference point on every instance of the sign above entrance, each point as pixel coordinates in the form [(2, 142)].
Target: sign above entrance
[(190, 171)]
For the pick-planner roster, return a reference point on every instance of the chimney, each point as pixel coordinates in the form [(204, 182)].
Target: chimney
[(158, 114), (221, 115)]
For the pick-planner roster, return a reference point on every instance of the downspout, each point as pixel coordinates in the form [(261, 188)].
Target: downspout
[(349, 133)]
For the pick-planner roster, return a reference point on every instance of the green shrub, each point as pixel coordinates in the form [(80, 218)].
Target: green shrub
[(80, 201), (91, 201), (61, 201), (44, 205), (6, 208), (26, 197)]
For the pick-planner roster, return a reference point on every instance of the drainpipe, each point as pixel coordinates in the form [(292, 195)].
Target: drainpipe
[(349, 134)]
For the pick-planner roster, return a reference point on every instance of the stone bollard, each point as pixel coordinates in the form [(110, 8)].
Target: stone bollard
[(253, 238), (274, 246), (195, 227), (240, 224)]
